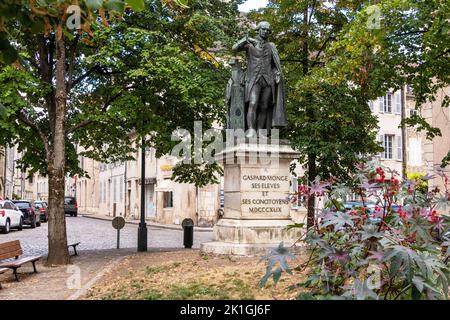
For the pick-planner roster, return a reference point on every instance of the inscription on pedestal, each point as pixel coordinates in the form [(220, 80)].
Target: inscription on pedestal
[(265, 194)]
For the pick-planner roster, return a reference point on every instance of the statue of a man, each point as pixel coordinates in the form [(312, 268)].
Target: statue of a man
[(264, 82)]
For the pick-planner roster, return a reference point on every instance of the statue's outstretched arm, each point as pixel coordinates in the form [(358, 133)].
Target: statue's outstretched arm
[(242, 44)]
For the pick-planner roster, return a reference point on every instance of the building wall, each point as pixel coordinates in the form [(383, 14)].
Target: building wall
[(388, 111), (440, 118), (166, 201), (2, 172), (40, 187), (87, 187)]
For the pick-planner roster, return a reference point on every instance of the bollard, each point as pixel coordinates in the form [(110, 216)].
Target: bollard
[(188, 233)]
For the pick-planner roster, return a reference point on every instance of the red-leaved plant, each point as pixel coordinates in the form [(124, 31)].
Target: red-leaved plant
[(392, 242)]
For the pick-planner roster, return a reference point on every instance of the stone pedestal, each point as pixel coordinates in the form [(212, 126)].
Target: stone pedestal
[(257, 206)]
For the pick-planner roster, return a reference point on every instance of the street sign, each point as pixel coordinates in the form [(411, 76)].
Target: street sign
[(118, 223)]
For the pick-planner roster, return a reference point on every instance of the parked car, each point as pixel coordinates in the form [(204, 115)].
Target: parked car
[(41, 206), (71, 206), (31, 217), (10, 217), (350, 205)]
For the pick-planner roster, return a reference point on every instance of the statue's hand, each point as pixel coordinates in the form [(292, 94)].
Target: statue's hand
[(252, 41), (277, 77)]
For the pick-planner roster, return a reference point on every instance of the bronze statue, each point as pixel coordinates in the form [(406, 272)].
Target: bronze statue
[(263, 81)]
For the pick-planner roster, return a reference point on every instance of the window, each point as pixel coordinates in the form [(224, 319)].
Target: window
[(388, 146), (387, 103), (413, 112), (30, 179), (69, 200), (8, 205), (371, 106), (168, 199)]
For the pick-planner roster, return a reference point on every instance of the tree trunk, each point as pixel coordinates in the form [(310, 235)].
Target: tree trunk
[(58, 253), (312, 173)]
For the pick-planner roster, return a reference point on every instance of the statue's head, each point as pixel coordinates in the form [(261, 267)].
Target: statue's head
[(264, 29)]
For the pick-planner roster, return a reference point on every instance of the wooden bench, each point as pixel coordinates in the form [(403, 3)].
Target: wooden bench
[(2, 270), (74, 246), (13, 249)]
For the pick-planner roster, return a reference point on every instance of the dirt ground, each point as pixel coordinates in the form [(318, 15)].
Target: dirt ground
[(189, 275), (62, 282)]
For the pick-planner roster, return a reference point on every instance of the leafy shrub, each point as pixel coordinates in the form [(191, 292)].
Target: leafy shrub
[(394, 245)]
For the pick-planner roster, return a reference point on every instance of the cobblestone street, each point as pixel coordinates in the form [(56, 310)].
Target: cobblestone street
[(96, 234)]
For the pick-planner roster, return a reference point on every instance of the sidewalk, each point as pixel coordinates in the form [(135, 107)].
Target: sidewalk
[(149, 223)]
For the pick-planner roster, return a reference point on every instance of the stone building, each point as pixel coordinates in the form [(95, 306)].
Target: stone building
[(7, 155), (388, 110), (424, 156), (115, 190)]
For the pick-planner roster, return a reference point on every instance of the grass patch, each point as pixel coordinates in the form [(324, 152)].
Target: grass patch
[(196, 290), (153, 270), (153, 295)]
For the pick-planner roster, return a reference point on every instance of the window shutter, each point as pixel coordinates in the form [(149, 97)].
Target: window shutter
[(399, 148), (381, 104), (398, 102)]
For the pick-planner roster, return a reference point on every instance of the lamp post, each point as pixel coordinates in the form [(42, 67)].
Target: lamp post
[(142, 231)]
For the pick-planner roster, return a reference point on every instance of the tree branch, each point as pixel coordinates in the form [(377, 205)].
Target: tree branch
[(87, 122), (22, 117), (83, 76), (322, 48)]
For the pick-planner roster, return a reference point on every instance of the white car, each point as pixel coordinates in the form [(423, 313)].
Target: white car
[(10, 217)]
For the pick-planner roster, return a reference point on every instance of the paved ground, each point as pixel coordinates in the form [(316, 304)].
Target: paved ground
[(99, 235)]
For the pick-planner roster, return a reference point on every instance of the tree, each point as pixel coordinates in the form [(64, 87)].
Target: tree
[(396, 43), (118, 70), (329, 123)]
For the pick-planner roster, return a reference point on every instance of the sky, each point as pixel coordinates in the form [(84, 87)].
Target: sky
[(252, 4)]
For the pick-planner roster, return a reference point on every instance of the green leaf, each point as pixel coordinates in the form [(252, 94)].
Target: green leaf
[(418, 283), (136, 5), (295, 226), (115, 5), (182, 3), (94, 4), (277, 275)]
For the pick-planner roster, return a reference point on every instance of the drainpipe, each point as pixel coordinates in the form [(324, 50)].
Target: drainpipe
[(4, 172), (403, 115), (125, 191)]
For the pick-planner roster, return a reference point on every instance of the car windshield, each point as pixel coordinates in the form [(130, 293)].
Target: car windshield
[(38, 205), (22, 205), (69, 200)]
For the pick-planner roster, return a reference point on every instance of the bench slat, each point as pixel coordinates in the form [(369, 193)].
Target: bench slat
[(11, 254), (74, 244), (19, 262), (8, 244), (10, 249)]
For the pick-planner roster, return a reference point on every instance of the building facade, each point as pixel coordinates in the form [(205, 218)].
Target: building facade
[(388, 110), (114, 189)]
